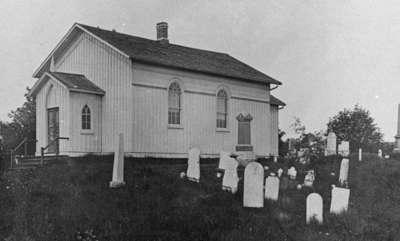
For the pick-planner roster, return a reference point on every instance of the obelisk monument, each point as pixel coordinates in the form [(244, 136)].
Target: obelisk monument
[(397, 137)]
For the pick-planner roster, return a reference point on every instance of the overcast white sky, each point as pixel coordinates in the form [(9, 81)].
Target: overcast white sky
[(329, 55)]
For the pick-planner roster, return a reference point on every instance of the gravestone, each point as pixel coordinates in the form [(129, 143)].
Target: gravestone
[(275, 159), (253, 186), (359, 154), (339, 200), (344, 148), (193, 170), (314, 208), (280, 171), (292, 173), (118, 168), (380, 153), (223, 158), (309, 178), (331, 144), (231, 179), (272, 188), (344, 171)]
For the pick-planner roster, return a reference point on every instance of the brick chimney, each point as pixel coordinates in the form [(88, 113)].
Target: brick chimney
[(162, 32)]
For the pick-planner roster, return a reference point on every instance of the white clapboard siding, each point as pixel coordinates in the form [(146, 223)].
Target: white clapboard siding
[(51, 95), (136, 104), (274, 129), (85, 141), (110, 71), (198, 114)]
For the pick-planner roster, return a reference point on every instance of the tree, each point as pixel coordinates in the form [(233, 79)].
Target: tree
[(315, 142), (357, 127), (22, 125), (282, 145)]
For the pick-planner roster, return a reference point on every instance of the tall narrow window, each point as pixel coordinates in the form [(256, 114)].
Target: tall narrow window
[(222, 109), (244, 133), (174, 104), (85, 118)]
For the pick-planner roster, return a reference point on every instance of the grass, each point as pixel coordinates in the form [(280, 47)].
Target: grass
[(70, 200)]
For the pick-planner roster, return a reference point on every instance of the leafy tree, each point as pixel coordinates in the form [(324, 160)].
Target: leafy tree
[(22, 124), (282, 145), (314, 141), (357, 127)]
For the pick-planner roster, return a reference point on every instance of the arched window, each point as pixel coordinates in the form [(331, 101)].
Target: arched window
[(86, 118), (174, 104), (222, 109)]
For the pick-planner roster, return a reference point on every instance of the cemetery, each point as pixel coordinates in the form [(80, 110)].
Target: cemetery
[(330, 198)]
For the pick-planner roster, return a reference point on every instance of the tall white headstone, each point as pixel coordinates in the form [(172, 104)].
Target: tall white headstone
[(292, 173), (339, 200), (118, 168), (223, 158), (331, 144), (272, 188), (280, 172), (344, 171), (253, 185), (314, 208), (359, 154), (231, 179), (380, 153), (344, 148), (397, 137), (193, 170)]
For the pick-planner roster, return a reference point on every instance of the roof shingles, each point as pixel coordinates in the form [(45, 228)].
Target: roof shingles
[(77, 82), (181, 57)]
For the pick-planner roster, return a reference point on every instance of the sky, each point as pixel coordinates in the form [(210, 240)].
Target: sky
[(329, 55)]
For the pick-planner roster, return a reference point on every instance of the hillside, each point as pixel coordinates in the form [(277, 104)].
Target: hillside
[(72, 200)]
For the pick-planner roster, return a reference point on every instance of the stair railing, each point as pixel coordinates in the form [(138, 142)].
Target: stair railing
[(13, 151), (55, 141)]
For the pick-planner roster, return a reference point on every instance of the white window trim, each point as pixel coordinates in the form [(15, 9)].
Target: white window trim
[(182, 87), (87, 131), (226, 89)]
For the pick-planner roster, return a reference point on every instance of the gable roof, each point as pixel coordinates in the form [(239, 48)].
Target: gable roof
[(73, 82), (276, 101), (181, 57), (175, 56)]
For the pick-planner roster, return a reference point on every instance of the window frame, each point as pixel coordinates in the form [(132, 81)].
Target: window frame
[(228, 95), (180, 107), (90, 122)]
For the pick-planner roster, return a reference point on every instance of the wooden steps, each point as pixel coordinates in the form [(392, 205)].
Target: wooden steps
[(29, 162)]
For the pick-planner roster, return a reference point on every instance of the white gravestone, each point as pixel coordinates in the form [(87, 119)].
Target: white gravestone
[(344, 171), (280, 172), (253, 186), (331, 144), (344, 148), (380, 153), (275, 159), (272, 188), (231, 179), (359, 154), (314, 208), (118, 169), (339, 200), (193, 170), (292, 173), (309, 178), (223, 158)]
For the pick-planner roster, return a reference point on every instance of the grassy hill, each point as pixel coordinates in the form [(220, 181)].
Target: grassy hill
[(72, 201)]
